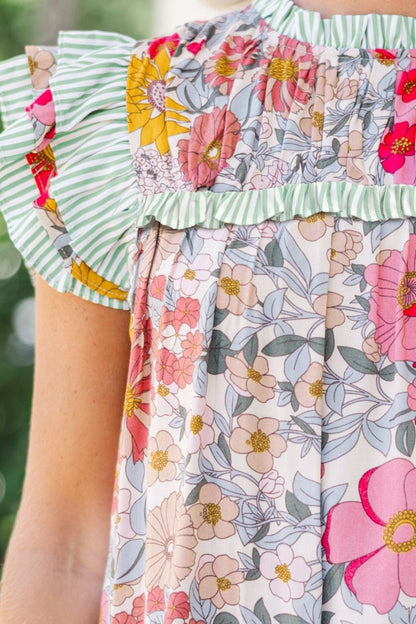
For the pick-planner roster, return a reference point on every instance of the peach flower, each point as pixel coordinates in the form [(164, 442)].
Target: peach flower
[(327, 306), (236, 290), (219, 581), (257, 438), (314, 227), (213, 514), (199, 427), (251, 380), (309, 389), (371, 349), (192, 345), (350, 156), (346, 246), (170, 545), (163, 457)]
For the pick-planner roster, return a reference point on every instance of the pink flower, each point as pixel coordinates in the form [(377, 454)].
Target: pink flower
[(186, 312), (139, 605), (236, 289), (192, 345), (123, 618), (195, 47), (272, 484), (164, 366), (200, 431), (288, 78), (213, 515), (178, 607), (287, 574), (407, 85), (165, 399), (164, 456), (183, 370), (155, 600), (122, 516), (397, 145), (158, 286), (170, 43), (187, 276), (393, 302), (227, 65), (377, 535), (212, 142)]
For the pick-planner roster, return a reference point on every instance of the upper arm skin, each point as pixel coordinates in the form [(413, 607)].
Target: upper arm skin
[(81, 361)]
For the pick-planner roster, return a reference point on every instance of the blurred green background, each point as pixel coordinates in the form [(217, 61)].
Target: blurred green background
[(33, 22)]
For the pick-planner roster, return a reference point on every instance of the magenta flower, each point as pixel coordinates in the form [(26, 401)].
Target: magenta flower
[(397, 145), (393, 302), (377, 535)]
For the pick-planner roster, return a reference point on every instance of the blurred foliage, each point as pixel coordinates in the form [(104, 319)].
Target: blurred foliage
[(22, 22)]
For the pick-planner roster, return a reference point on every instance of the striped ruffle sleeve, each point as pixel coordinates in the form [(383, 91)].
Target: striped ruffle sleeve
[(67, 185)]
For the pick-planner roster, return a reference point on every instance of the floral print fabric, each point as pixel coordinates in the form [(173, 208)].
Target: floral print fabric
[(266, 464)]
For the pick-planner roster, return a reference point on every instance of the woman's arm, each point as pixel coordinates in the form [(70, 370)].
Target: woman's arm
[(56, 558)]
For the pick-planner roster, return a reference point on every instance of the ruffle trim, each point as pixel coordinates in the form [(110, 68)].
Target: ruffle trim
[(91, 231), (369, 31), (180, 210)]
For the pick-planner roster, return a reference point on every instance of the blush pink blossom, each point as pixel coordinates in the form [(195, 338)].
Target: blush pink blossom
[(287, 574), (377, 536), (393, 302)]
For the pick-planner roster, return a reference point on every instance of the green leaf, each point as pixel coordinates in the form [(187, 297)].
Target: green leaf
[(285, 618), (324, 439), (332, 582), (298, 510), (294, 403), (329, 343), (326, 162), (253, 575), (358, 361), (220, 315), (225, 449), (262, 532), (405, 438), (274, 254), (388, 373), (261, 612), (255, 555), (318, 345), (243, 403), (283, 345), (369, 226), (286, 386), (336, 145), (251, 350), (363, 303), (358, 268), (219, 348), (326, 617), (193, 496), (225, 618)]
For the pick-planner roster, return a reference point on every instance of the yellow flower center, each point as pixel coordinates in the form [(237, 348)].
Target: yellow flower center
[(254, 375), (212, 513), (211, 154), (223, 584), (259, 441), (196, 424), (401, 146), (223, 67), (131, 401), (283, 573), (403, 517), (32, 64), (333, 253), (159, 460), (189, 274), (384, 60), (406, 293), (409, 86), (316, 388), (230, 286), (318, 120), (283, 69), (319, 216), (162, 391)]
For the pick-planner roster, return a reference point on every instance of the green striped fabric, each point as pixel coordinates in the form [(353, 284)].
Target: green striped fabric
[(340, 31)]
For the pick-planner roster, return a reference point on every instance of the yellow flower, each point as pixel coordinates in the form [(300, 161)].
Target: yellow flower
[(90, 278), (148, 107)]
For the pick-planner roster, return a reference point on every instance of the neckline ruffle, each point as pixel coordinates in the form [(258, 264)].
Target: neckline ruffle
[(369, 31)]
